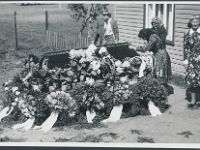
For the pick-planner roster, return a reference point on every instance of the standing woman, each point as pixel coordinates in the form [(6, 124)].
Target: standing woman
[(192, 57), (159, 29), (154, 44)]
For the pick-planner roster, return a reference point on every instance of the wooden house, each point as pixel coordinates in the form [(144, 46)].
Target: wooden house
[(131, 17)]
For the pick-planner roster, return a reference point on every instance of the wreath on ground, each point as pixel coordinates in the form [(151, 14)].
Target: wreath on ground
[(145, 90)]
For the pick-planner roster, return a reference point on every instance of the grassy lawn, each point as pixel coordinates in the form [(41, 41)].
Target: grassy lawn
[(31, 33)]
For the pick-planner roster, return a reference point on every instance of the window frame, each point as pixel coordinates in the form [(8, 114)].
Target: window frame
[(169, 42)]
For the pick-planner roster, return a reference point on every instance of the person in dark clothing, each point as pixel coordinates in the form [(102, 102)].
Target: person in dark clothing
[(159, 29), (93, 28), (154, 44)]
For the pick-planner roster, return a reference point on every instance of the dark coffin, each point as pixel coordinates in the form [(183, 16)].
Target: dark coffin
[(61, 58)]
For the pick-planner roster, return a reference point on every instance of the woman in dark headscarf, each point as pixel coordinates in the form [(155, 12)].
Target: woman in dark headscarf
[(154, 44), (159, 29)]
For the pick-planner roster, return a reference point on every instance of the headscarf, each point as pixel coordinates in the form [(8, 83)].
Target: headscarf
[(145, 34), (192, 18), (156, 20)]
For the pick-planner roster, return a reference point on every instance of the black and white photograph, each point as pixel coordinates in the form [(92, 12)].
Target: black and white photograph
[(100, 73)]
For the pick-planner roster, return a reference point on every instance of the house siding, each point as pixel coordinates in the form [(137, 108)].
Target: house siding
[(131, 19)]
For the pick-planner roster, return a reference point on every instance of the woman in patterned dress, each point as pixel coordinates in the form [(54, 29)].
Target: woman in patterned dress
[(154, 44), (192, 58)]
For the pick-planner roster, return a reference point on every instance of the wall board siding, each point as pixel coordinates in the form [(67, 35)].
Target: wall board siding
[(128, 5), (128, 29), (129, 10), (187, 7), (130, 21), (130, 33), (138, 23), (129, 24), (138, 18)]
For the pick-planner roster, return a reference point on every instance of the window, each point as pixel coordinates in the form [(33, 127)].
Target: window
[(166, 13)]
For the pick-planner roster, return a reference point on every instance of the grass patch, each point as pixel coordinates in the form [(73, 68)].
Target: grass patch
[(136, 132), (7, 139), (89, 138), (185, 134), (82, 126), (145, 140), (178, 80), (112, 135)]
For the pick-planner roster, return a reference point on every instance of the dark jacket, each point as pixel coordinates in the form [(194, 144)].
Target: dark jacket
[(93, 29), (162, 33), (115, 29)]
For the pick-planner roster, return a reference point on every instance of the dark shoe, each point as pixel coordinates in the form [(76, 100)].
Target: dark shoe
[(191, 105)]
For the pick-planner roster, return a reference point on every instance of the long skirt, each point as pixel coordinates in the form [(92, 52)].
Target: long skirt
[(162, 71)]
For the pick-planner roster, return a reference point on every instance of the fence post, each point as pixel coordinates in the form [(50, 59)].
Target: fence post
[(15, 22), (46, 23)]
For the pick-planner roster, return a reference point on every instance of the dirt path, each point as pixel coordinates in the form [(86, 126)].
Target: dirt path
[(177, 125)]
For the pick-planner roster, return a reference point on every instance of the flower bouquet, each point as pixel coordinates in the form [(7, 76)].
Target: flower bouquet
[(93, 98), (31, 66), (31, 104), (58, 101), (12, 92), (148, 90)]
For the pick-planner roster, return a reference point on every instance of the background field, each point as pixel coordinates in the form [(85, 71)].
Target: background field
[(31, 33)]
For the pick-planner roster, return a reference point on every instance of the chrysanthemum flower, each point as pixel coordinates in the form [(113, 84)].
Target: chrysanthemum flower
[(17, 93), (14, 89), (118, 63), (95, 65), (89, 81), (6, 88), (126, 64), (102, 50)]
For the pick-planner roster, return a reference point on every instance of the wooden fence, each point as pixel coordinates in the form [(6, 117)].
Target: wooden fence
[(59, 41)]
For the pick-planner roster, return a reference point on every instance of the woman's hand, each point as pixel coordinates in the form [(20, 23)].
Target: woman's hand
[(131, 47), (139, 48)]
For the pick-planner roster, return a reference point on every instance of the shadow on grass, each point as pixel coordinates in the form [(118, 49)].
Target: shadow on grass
[(89, 125), (7, 139), (136, 132), (178, 80), (112, 135), (185, 134), (89, 138), (145, 140)]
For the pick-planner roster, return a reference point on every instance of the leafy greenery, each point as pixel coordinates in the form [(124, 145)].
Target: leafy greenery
[(178, 80), (145, 90), (80, 11)]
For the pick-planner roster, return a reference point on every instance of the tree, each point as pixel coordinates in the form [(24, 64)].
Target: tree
[(82, 11)]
